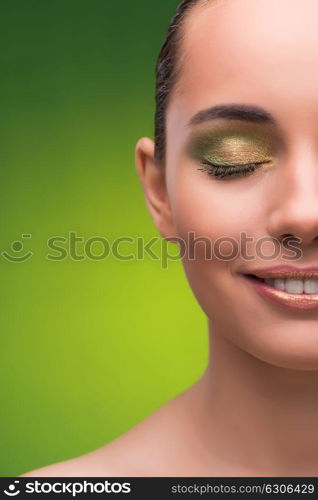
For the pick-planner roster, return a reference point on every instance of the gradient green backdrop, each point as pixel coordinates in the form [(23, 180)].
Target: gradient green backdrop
[(89, 347)]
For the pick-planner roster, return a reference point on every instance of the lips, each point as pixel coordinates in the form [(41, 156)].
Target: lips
[(285, 272), (264, 283)]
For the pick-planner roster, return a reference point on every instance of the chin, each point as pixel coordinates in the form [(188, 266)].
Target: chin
[(291, 345)]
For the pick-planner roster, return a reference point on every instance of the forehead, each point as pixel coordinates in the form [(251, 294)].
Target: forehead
[(260, 52)]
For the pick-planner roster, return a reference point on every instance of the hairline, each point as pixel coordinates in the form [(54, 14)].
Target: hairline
[(179, 58)]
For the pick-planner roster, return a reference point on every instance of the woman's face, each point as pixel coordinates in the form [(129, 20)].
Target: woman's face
[(255, 53)]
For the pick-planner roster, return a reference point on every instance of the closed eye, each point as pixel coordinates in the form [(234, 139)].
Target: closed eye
[(224, 171)]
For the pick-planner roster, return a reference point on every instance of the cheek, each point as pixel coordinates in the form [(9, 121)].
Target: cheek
[(215, 213), (214, 208)]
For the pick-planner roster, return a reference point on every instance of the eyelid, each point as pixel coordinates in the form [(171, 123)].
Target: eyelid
[(238, 151), (262, 135)]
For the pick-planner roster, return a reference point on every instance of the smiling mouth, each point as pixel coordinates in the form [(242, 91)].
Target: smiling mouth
[(292, 293)]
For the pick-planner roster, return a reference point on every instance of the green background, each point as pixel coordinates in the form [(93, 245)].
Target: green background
[(89, 347)]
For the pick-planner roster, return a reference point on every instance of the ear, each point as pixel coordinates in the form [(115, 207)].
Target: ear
[(152, 177)]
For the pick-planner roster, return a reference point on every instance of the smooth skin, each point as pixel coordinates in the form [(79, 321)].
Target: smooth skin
[(254, 412)]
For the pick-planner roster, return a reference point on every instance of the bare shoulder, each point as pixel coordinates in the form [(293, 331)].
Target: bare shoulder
[(152, 447), (111, 460), (98, 463), (83, 466)]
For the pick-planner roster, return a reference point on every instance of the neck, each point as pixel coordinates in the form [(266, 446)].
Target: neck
[(256, 416)]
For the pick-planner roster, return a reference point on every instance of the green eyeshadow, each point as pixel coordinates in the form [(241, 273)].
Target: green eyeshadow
[(228, 147)]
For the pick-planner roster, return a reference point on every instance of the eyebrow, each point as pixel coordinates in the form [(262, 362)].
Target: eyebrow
[(233, 112)]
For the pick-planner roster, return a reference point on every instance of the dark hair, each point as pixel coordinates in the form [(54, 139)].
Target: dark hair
[(166, 73)]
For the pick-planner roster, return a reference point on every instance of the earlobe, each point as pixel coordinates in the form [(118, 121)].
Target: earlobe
[(152, 177)]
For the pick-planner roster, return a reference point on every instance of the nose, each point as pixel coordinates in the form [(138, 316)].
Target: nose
[(294, 201)]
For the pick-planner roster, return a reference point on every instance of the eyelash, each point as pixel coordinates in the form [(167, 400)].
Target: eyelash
[(223, 171)]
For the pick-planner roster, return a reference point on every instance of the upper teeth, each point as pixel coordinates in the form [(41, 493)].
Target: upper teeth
[(294, 285)]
